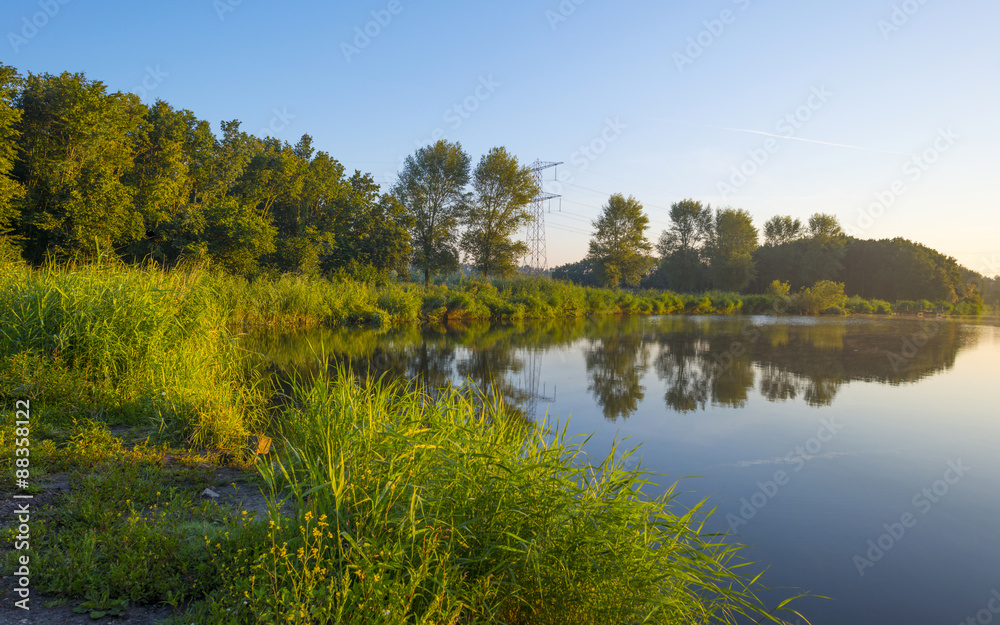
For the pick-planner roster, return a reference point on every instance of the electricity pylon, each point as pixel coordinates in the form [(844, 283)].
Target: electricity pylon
[(537, 260)]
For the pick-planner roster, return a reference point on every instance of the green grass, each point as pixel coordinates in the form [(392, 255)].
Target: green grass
[(407, 508), (129, 346), (419, 510), (130, 529)]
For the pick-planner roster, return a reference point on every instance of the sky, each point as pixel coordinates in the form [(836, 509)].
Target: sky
[(881, 112)]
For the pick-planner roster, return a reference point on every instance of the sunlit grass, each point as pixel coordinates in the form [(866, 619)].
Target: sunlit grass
[(419, 510)]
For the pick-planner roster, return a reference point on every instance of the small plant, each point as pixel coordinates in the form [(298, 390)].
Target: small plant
[(101, 606)]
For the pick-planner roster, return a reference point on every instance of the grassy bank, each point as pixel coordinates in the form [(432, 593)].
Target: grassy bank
[(410, 509), (403, 508)]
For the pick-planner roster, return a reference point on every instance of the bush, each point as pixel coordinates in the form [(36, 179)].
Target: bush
[(881, 307), (757, 304), (858, 305), (778, 289), (724, 303), (403, 304), (698, 305), (823, 295)]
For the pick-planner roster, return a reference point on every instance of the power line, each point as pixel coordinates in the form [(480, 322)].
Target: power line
[(537, 260)]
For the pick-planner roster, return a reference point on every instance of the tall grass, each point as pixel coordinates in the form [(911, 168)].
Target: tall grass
[(128, 345), (419, 510)]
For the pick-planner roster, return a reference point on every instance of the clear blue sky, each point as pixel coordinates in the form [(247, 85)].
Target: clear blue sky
[(670, 97)]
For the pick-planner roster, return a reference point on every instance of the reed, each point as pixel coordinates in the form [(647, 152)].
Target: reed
[(444, 510)]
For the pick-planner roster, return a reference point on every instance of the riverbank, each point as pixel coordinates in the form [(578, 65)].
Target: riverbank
[(402, 506)]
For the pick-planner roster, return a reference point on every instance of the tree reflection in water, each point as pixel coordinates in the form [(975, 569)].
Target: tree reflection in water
[(698, 361)]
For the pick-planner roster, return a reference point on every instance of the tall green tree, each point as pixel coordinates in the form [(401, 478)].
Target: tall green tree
[(238, 231), (730, 248), (372, 229), (308, 220), (782, 229), (168, 143), (431, 187), (806, 260), (11, 190), (580, 273), (823, 256), (619, 250), (680, 246), (502, 190), (77, 147)]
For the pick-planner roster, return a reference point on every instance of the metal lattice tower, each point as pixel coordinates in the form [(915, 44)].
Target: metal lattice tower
[(531, 378), (537, 260)]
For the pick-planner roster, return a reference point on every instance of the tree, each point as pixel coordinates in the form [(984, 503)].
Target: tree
[(11, 190), (432, 189), (899, 269), (680, 246), (805, 260), (823, 256), (372, 229), (77, 146), (730, 248), (307, 221), (502, 190), (168, 143), (619, 250), (782, 229), (580, 273), (824, 225), (238, 230)]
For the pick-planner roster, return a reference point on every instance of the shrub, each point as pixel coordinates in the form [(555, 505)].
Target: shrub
[(757, 304), (881, 307), (858, 305), (821, 296), (724, 303), (778, 289), (695, 305)]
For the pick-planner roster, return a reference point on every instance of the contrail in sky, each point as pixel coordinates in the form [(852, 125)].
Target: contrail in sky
[(839, 145)]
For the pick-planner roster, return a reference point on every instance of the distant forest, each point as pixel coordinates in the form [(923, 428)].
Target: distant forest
[(700, 252), (85, 172)]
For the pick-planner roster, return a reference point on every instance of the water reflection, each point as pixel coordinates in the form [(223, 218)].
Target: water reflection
[(615, 362), (697, 361)]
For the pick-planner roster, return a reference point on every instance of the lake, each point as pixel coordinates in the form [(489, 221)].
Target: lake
[(856, 457)]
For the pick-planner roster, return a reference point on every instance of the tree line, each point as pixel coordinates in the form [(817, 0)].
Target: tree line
[(705, 249), (83, 171)]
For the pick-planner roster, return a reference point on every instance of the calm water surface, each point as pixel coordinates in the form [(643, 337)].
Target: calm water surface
[(858, 458)]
